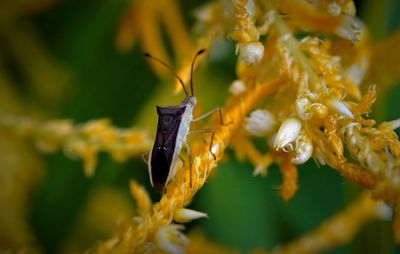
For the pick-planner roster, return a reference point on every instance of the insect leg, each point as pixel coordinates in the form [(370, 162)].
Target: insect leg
[(190, 163), (209, 130), (221, 120), (145, 157)]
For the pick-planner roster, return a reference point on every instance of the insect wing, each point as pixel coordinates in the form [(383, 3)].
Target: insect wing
[(162, 154)]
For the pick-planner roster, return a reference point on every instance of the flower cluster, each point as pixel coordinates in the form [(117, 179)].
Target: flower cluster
[(317, 109), (83, 141)]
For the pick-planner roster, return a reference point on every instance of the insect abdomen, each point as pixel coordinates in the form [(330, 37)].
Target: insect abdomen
[(162, 154)]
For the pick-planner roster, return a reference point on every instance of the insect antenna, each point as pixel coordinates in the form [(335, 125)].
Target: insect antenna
[(201, 51), (171, 70)]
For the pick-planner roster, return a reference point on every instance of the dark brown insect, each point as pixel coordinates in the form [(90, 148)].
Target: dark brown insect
[(172, 130)]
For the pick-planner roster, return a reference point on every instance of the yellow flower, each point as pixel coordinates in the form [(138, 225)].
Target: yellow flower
[(298, 93), (83, 141)]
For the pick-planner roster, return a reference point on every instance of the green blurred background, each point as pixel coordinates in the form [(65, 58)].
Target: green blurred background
[(94, 81)]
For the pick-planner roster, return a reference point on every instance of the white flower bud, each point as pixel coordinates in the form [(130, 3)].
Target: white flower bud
[(320, 158), (271, 140), (349, 29), (305, 109), (237, 87), (288, 132), (285, 37), (169, 239), (260, 122), (184, 215), (250, 53), (341, 108), (303, 149), (355, 73), (215, 148), (333, 9), (394, 124), (204, 14), (260, 169), (384, 211), (302, 105), (251, 9)]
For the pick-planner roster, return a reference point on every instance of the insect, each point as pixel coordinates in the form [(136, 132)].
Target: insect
[(172, 130)]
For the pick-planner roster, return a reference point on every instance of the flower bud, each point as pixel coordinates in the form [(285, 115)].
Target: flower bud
[(170, 240), (260, 122), (320, 158), (341, 108), (184, 215), (237, 87), (349, 29), (288, 132), (215, 148), (302, 105), (384, 211), (250, 53), (393, 125), (303, 149), (334, 9)]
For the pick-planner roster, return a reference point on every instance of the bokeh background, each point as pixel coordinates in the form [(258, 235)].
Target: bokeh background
[(58, 59)]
